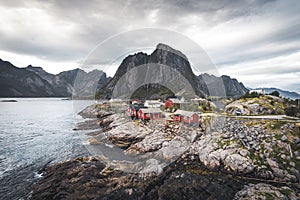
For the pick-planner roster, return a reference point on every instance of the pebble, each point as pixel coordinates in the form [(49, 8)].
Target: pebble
[(284, 138), (244, 152), (292, 164)]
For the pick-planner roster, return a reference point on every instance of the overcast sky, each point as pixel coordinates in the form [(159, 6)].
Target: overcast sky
[(255, 41)]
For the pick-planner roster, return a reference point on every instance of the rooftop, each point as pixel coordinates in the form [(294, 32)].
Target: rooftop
[(150, 110), (184, 113)]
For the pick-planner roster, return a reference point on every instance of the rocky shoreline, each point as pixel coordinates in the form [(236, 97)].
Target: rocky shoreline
[(220, 159)]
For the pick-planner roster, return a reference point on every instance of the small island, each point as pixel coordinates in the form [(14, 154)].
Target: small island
[(9, 100)]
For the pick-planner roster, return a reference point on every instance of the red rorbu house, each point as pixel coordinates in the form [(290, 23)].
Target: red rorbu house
[(132, 110), (186, 116), (172, 102), (149, 113)]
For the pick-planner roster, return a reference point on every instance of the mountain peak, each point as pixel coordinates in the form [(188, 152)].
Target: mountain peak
[(32, 67), (37, 70), (165, 47)]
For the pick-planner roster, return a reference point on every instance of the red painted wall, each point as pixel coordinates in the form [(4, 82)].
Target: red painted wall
[(168, 104)]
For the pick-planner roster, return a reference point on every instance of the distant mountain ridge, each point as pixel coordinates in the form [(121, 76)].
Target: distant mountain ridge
[(282, 93), (36, 82), (203, 85)]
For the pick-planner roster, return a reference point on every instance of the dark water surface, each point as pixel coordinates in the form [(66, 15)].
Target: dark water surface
[(33, 133)]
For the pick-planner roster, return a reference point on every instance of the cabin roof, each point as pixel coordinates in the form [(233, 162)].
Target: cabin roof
[(152, 102), (150, 110), (184, 113), (137, 106)]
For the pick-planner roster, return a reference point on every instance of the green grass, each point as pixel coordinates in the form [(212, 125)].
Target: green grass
[(257, 159), (269, 196), (275, 124), (286, 192)]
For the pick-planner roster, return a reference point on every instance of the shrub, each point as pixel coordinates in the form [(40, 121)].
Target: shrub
[(275, 93), (272, 103), (250, 95), (292, 111)]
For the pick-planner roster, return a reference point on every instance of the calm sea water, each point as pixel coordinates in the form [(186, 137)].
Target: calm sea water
[(34, 132)]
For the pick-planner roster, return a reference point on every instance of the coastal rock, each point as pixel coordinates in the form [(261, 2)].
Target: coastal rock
[(211, 164), (151, 142), (173, 149), (90, 178), (164, 144), (265, 191), (94, 111), (124, 136), (88, 125)]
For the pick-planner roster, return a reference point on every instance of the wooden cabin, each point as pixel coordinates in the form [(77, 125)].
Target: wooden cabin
[(149, 113), (132, 110), (153, 103), (186, 116)]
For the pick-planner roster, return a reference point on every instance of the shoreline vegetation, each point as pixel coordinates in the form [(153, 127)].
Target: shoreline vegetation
[(221, 158)]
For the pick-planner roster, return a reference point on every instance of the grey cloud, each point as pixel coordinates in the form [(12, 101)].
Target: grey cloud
[(98, 20), (95, 21), (271, 71)]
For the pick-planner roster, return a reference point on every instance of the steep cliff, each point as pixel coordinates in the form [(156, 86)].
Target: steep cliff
[(19, 82), (212, 83)]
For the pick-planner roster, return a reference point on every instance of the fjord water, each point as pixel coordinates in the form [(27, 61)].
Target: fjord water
[(35, 132)]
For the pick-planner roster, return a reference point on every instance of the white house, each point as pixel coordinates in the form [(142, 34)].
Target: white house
[(153, 103), (174, 100), (181, 99)]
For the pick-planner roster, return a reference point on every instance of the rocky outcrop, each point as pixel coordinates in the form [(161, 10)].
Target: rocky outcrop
[(94, 111), (232, 157), (91, 178), (160, 135), (228, 157), (125, 136), (264, 105), (233, 146), (35, 82)]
